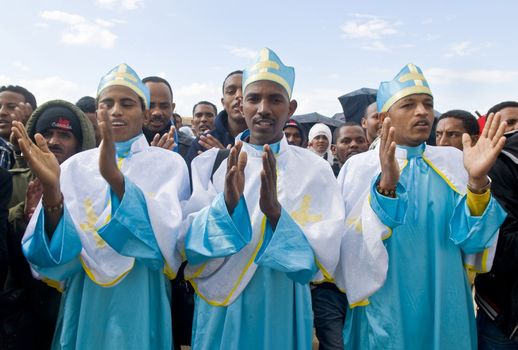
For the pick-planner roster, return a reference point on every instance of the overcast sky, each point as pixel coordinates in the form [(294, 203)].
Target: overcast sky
[(467, 49)]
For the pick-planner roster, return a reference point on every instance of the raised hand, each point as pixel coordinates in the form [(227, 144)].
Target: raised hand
[(107, 161), (479, 159), (45, 167), (235, 177), (42, 162), (166, 141), (209, 141), (268, 202), (389, 164)]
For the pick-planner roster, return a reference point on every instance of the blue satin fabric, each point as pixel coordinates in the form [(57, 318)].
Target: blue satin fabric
[(133, 314), (426, 300), (274, 310)]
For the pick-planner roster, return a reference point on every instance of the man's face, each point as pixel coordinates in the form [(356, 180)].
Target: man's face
[(266, 108), (8, 102), (449, 132), (233, 97), (371, 122), (351, 140), (320, 143), (293, 136), (124, 109), (93, 119), (509, 115), (412, 118), (62, 143), (161, 107), (203, 119)]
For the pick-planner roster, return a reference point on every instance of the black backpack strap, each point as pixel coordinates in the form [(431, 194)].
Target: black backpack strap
[(223, 154)]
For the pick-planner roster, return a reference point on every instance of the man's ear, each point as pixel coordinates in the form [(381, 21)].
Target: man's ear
[(364, 123), (147, 114), (293, 107), (173, 106), (383, 115), (333, 150), (222, 103)]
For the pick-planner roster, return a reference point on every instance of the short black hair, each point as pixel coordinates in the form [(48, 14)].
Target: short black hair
[(27, 95), (228, 76), (86, 104), (498, 107), (205, 103), (468, 120), (155, 79), (337, 130)]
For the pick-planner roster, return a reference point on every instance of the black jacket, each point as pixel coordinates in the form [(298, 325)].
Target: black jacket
[(220, 132), (497, 291)]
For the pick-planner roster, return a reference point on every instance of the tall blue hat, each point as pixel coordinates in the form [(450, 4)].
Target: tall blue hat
[(268, 66), (124, 75), (409, 81)]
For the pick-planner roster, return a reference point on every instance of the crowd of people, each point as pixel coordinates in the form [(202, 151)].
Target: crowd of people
[(122, 228)]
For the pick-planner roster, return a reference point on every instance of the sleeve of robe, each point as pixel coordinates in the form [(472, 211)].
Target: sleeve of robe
[(128, 232), (474, 226), (219, 234), (390, 211)]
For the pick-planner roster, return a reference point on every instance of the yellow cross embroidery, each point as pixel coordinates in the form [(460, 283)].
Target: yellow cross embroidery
[(122, 73), (413, 75), (356, 223), (302, 216), (91, 220)]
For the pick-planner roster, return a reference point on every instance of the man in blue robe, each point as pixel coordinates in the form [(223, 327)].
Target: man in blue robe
[(416, 214), (265, 223), (105, 230)]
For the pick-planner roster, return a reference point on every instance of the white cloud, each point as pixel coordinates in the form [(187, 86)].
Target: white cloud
[(321, 100), (375, 46), (80, 31), (20, 66), (465, 48), (50, 88), (186, 96), (444, 76), (243, 52), (369, 27), (427, 21), (382, 47), (120, 4)]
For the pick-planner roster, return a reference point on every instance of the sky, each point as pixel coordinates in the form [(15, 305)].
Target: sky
[(467, 49)]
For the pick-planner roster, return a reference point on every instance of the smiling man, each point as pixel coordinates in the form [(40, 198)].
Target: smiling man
[(16, 103), (258, 237), (157, 120), (105, 229), (413, 216)]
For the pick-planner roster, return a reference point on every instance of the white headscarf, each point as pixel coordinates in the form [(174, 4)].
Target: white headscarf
[(321, 129)]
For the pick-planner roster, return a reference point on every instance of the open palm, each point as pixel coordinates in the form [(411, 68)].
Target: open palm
[(479, 159), (41, 160)]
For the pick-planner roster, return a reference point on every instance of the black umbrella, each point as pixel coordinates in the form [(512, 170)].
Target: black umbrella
[(354, 103), (310, 119)]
